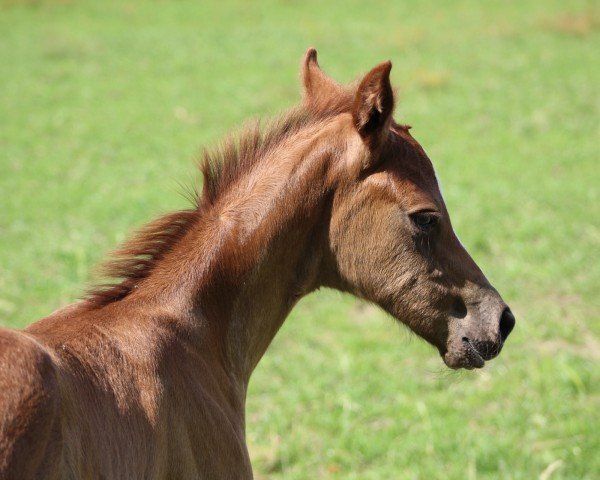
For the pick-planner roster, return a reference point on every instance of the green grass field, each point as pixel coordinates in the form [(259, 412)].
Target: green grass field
[(104, 107)]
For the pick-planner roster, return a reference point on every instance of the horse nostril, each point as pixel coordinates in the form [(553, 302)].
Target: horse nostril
[(507, 323)]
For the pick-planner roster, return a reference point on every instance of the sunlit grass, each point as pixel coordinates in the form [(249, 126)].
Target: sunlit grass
[(104, 107)]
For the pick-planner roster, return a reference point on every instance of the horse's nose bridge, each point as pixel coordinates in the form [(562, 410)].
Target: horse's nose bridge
[(462, 266)]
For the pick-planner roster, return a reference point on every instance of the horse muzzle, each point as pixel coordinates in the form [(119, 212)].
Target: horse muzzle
[(469, 349)]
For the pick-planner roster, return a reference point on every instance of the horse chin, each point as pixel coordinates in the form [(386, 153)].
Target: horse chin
[(466, 357)]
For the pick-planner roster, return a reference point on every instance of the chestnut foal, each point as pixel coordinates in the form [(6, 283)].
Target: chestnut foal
[(147, 378)]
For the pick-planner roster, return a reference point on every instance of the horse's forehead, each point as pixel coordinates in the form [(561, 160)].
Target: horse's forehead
[(411, 170)]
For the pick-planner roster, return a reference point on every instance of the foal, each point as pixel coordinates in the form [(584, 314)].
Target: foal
[(147, 377)]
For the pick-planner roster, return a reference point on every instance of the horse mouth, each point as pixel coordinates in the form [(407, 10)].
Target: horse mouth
[(473, 355)]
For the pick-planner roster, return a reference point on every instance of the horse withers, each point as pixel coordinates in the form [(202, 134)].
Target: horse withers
[(146, 377)]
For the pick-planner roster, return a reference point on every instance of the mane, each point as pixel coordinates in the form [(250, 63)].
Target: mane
[(221, 167), (136, 258), (236, 155)]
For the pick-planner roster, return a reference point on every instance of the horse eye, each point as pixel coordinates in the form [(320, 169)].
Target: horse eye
[(425, 221)]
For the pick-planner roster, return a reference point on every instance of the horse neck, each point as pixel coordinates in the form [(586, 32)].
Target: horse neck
[(256, 251)]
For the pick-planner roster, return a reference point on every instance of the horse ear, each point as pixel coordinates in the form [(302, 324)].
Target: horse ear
[(318, 88), (374, 104)]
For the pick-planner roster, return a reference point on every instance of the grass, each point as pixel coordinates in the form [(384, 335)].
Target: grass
[(104, 106)]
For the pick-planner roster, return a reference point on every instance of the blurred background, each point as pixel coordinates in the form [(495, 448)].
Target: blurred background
[(104, 107)]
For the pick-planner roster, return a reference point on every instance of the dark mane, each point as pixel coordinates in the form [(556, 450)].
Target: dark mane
[(221, 168)]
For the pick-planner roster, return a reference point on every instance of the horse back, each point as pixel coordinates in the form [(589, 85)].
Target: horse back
[(30, 435), (114, 394)]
